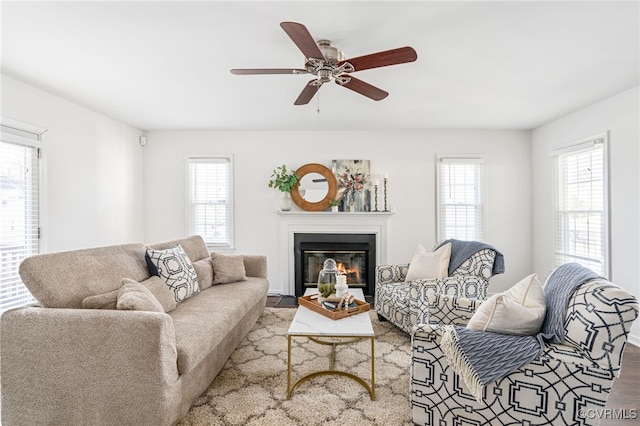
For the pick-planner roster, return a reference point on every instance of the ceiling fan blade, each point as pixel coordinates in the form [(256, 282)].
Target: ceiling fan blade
[(301, 37), (363, 88), (400, 55), (249, 71), (307, 93)]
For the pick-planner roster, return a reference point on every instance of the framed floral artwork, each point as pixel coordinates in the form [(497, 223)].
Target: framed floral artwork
[(354, 184)]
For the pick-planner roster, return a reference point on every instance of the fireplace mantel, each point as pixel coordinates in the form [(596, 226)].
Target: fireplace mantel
[(293, 222)]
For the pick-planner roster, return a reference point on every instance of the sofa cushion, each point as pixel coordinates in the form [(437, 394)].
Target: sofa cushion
[(228, 268), (133, 296), (65, 279), (174, 267), (445, 309), (202, 322), (204, 271), (519, 310), (428, 265), (194, 246)]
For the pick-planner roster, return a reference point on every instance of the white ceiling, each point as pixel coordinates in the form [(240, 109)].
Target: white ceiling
[(481, 65)]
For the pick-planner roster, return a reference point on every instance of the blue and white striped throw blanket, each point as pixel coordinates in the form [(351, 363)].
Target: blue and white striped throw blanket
[(482, 357)]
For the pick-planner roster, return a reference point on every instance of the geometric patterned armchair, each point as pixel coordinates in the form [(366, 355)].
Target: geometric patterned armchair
[(565, 385), (405, 304)]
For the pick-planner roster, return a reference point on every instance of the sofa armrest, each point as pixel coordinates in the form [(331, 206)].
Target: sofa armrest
[(386, 274), (598, 321), (426, 333), (480, 264), (91, 365), (255, 266)]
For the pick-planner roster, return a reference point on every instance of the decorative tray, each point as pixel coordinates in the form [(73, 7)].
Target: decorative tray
[(314, 305)]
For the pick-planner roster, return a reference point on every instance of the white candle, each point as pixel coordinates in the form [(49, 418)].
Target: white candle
[(386, 176), (341, 285)]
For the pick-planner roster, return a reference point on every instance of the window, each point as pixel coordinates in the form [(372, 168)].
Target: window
[(581, 220), (209, 200), (461, 198), (19, 211)]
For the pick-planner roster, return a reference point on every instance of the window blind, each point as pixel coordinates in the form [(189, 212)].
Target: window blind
[(209, 200), (460, 198), (19, 215), (581, 220)]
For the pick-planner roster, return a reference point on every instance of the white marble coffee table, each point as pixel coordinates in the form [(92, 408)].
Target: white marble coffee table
[(323, 330)]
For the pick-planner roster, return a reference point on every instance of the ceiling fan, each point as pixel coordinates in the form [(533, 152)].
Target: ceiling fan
[(326, 62)]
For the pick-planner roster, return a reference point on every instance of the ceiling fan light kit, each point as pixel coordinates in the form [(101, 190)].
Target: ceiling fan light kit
[(326, 62), (331, 53)]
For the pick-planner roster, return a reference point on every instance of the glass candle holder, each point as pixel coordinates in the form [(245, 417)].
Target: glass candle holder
[(327, 278)]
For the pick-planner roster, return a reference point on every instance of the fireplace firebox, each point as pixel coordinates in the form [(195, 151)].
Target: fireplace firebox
[(355, 256)]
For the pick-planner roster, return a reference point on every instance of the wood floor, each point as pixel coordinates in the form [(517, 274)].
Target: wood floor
[(625, 395), (623, 401)]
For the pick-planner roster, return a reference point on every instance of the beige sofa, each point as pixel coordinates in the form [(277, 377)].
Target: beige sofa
[(63, 364)]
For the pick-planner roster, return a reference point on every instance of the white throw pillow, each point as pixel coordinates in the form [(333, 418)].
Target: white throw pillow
[(519, 310), (429, 265)]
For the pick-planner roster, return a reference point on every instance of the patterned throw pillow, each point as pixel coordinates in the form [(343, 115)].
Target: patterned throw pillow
[(175, 269)]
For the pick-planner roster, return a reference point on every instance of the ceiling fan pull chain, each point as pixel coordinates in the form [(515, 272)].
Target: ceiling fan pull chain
[(318, 98)]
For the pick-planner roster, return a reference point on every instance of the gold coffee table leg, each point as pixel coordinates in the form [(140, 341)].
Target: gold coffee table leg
[(369, 387), (372, 392), (289, 367)]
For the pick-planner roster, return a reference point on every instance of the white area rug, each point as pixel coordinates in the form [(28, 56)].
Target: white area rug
[(251, 388)]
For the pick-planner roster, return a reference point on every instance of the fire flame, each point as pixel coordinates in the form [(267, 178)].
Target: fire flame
[(348, 271)]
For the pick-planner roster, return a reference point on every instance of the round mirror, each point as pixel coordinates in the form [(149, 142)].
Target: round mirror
[(313, 187), (317, 187)]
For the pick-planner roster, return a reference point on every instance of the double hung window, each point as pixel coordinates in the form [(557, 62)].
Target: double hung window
[(19, 211), (461, 210), (209, 200), (581, 205)]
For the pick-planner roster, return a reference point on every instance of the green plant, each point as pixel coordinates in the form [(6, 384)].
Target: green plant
[(336, 202), (327, 289), (283, 179)]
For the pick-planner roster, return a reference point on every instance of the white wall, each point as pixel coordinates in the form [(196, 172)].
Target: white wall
[(96, 192), (407, 157), (620, 116), (92, 170)]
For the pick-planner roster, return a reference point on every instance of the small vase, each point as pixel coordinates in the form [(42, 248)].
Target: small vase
[(286, 202), (351, 206), (334, 208)]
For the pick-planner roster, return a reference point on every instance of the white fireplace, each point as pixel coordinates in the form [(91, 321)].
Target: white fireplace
[(327, 223)]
